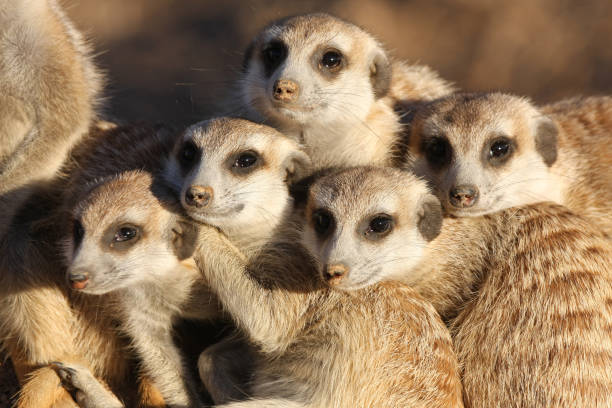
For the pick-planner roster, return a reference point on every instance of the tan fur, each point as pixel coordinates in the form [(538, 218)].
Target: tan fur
[(48, 92), (345, 118), (41, 320), (579, 178), (527, 292)]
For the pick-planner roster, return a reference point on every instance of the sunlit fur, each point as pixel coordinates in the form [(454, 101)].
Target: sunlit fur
[(49, 90), (353, 197), (579, 178), (147, 281), (244, 204), (529, 286), (340, 120)]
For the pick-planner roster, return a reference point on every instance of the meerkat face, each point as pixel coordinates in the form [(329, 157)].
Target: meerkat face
[(233, 174), (484, 152), (122, 236), (364, 225), (313, 69)]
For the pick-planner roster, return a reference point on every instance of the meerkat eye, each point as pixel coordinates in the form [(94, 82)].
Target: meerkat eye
[(331, 60), (273, 54), (438, 151), (379, 226), (246, 159), (322, 222), (188, 153), (78, 232), (125, 234), (500, 150)]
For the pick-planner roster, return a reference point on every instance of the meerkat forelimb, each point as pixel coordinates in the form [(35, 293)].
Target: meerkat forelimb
[(331, 85), (528, 286), (486, 152)]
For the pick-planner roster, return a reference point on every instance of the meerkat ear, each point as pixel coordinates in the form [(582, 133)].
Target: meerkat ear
[(297, 165), (546, 140), (184, 239), (430, 218), (380, 74)]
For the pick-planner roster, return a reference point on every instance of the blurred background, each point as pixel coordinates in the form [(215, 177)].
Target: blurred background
[(172, 61)]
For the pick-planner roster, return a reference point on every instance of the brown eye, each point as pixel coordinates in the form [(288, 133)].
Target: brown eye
[(438, 151), (500, 150), (331, 60), (322, 222), (246, 159), (379, 226), (125, 234), (188, 153)]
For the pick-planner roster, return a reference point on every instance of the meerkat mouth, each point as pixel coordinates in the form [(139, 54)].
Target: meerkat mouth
[(207, 215)]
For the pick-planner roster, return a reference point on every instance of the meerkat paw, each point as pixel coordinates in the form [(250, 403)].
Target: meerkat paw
[(87, 391)]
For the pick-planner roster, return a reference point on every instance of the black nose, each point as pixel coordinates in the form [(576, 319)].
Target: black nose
[(286, 90), (78, 279), (198, 196), (463, 196)]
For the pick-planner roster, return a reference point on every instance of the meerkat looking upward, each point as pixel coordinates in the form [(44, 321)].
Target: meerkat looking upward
[(330, 85), (49, 90), (527, 291), (486, 152)]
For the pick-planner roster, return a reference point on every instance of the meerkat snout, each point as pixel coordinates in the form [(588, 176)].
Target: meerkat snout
[(285, 90), (79, 279), (335, 273), (463, 196), (199, 196)]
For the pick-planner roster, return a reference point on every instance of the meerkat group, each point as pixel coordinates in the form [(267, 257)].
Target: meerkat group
[(370, 236)]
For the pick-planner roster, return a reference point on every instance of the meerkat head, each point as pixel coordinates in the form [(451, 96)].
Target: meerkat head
[(313, 69), (233, 174), (123, 235), (365, 224), (484, 152)]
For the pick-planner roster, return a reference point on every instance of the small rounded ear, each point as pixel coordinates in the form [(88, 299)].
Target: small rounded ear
[(430, 218), (546, 140), (297, 165), (380, 74), (184, 239)]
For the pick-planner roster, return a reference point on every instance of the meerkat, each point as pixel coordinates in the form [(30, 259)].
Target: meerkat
[(527, 291), (486, 152), (132, 245), (331, 86), (41, 320), (49, 93)]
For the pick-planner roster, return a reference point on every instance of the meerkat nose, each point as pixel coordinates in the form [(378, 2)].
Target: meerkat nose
[(286, 90), (335, 273), (78, 279), (199, 196), (463, 196)]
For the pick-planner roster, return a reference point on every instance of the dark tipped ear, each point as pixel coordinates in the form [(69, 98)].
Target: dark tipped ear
[(300, 189), (546, 140), (297, 166), (380, 74), (430, 218), (248, 54), (184, 239)]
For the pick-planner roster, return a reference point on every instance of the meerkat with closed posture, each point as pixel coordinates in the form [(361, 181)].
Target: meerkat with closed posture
[(41, 320), (331, 86), (486, 152), (382, 347), (530, 319), (49, 88)]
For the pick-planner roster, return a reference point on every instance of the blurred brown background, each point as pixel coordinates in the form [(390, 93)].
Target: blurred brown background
[(172, 61)]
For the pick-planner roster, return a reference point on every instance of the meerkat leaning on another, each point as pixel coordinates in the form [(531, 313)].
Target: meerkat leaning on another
[(331, 86), (487, 152), (41, 320), (527, 291), (382, 346), (49, 88)]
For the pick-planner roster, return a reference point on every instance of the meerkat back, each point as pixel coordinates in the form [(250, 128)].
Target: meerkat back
[(48, 94), (331, 86)]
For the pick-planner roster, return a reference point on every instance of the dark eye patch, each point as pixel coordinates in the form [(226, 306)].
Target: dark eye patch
[(328, 62), (378, 227), (245, 162), (331, 60), (323, 222), (272, 55), (498, 150), (121, 237), (437, 151), (78, 232), (188, 154)]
